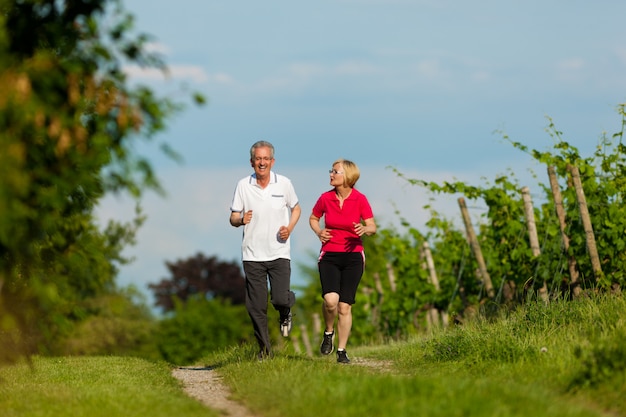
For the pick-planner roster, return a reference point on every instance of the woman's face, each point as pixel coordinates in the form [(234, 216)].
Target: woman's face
[(337, 175)]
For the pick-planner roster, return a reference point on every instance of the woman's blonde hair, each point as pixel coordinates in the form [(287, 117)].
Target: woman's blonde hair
[(351, 173)]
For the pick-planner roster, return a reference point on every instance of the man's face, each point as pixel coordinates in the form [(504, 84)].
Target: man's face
[(262, 161)]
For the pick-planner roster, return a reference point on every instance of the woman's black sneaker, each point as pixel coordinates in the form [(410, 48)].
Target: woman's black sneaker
[(327, 344), (342, 357)]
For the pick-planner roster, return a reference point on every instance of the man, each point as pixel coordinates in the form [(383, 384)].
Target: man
[(266, 205)]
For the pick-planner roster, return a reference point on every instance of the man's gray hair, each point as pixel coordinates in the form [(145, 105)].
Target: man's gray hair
[(261, 144)]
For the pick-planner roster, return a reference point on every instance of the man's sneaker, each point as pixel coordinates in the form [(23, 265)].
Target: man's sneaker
[(342, 356), (263, 355), (285, 325), (327, 344)]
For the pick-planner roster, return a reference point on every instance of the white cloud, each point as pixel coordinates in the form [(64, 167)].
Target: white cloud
[(189, 72), (430, 68), (158, 48), (572, 64), (192, 73), (356, 68)]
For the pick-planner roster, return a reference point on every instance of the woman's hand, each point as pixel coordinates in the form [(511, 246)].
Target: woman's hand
[(369, 228), (324, 235), (359, 229)]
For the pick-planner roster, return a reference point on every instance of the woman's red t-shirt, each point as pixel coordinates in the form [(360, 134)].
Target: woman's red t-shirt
[(341, 220)]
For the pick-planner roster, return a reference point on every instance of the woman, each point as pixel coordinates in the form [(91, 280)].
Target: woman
[(347, 216)]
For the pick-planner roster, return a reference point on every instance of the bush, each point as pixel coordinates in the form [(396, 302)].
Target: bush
[(199, 327)]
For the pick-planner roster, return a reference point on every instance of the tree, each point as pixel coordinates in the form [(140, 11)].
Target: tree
[(200, 275), (68, 123)]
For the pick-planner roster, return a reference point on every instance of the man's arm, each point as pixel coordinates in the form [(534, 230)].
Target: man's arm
[(285, 231), (296, 211), (236, 219)]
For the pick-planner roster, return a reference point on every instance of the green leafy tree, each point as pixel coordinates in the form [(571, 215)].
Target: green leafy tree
[(68, 123), (200, 275)]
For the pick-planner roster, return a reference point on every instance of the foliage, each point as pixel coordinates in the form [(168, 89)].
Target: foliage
[(114, 324), (199, 275), (68, 125), (413, 303), (200, 326)]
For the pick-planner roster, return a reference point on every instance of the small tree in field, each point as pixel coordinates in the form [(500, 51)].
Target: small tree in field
[(208, 277)]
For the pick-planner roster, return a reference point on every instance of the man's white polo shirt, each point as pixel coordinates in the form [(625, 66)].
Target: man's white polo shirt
[(271, 208)]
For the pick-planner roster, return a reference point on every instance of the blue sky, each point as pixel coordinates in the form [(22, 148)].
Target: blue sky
[(423, 86)]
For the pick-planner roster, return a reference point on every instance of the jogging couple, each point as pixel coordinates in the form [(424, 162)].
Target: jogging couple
[(265, 204)]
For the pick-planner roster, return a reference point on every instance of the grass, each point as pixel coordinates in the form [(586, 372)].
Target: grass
[(93, 387), (565, 359)]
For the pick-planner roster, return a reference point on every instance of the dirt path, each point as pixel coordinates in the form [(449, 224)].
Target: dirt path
[(206, 386)]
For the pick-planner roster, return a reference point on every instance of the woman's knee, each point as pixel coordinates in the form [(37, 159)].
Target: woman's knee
[(344, 308), (331, 300)]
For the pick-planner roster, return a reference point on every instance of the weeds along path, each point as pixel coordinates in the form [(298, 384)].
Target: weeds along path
[(206, 386)]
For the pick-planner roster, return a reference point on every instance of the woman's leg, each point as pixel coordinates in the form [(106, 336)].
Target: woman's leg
[(344, 324), (329, 310)]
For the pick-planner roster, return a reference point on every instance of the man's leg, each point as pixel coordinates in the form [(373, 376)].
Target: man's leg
[(282, 298), (256, 302)]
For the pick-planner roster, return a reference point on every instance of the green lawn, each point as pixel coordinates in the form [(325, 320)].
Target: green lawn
[(93, 387), (566, 359)]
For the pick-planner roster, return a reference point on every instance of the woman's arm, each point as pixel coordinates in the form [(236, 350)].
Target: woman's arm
[(323, 234)]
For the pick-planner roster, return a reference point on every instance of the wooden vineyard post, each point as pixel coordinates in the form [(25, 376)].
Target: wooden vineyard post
[(532, 234), (473, 241), (377, 307), (317, 330), (560, 213), (392, 277), (317, 323), (530, 220), (434, 280), (432, 273), (306, 341), (584, 214)]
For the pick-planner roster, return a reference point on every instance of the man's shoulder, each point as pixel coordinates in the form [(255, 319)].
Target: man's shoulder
[(248, 179), (280, 177), (281, 180)]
